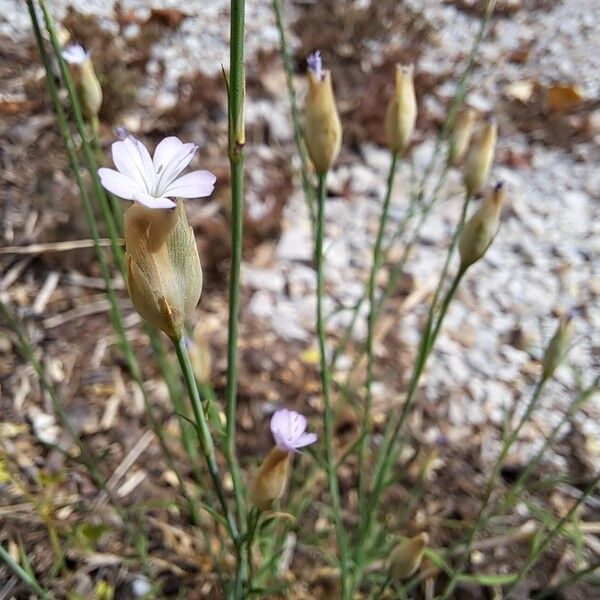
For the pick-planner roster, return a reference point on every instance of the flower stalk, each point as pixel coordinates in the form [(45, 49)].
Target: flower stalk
[(236, 141), (332, 478)]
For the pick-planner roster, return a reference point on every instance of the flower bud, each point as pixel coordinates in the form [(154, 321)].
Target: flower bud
[(322, 127), (480, 157), (271, 478), (88, 86), (401, 112), (478, 232), (461, 136), (164, 277), (558, 346), (406, 557)]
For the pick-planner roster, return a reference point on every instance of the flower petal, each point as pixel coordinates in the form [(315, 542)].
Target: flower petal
[(128, 163), (165, 152), (151, 202), (197, 184), (118, 184), (179, 161), (140, 161), (306, 439)]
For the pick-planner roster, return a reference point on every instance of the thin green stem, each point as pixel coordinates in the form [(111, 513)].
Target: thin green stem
[(552, 591), (427, 340), (387, 455), (236, 92), (205, 439), (556, 530), (332, 477), (26, 577), (372, 288), (115, 314), (27, 350), (582, 397), (88, 151), (482, 516), (295, 113)]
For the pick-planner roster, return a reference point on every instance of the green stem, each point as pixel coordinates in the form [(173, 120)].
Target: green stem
[(482, 517), (27, 578), (236, 92), (289, 77), (26, 349), (88, 151), (552, 591), (427, 340), (556, 530), (582, 397), (332, 478), (372, 288), (115, 314), (204, 435)]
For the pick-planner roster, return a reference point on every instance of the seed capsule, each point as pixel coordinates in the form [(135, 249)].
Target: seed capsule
[(164, 276), (401, 113)]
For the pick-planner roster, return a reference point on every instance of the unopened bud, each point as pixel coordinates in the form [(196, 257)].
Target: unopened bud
[(478, 232), (271, 478), (558, 346), (401, 112), (322, 127), (164, 276), (480, 157), (88, 86), (406, 557), (460, 137)]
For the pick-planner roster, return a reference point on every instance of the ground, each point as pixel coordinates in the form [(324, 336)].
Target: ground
[(536, 72)]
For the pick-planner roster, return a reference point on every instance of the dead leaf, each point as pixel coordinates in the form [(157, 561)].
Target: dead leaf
[(168, 17), (564, 97)]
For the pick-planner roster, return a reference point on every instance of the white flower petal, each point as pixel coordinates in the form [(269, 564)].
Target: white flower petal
[(142, 160), (126, 159), (151, 202), (165, 152), (180, 160), (118, 184), (197, 184), (75, 54), (306, 439)]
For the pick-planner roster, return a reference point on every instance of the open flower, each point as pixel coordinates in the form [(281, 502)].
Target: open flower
[(75, 54), (154, 182), (288, 428)]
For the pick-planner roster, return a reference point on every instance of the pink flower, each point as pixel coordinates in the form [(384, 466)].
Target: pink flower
[(288, 428), (154, 181)]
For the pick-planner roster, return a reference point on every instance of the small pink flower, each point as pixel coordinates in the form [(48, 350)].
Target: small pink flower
[(288, 428), (154, 181)]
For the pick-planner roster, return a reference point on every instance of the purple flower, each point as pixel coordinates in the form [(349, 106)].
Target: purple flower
[(288, 428), (75, 54), (315, 64), (154, 181)]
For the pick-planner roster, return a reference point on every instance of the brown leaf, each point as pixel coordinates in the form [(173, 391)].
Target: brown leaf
[(564, 97), (168, 17)]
